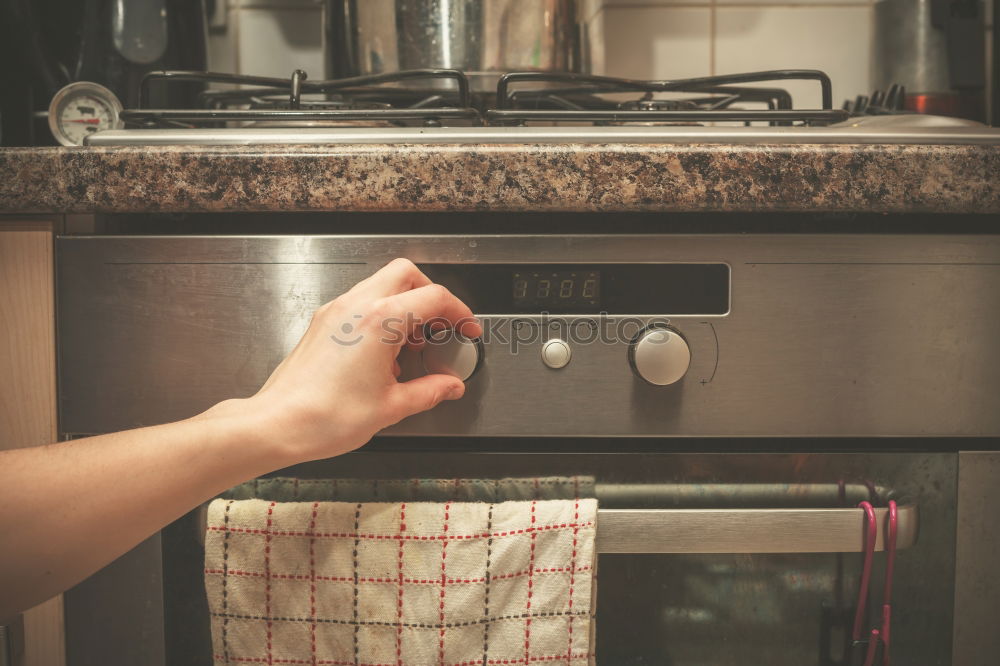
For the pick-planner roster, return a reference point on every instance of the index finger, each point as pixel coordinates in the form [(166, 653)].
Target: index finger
[(398, 276), (434, 302)]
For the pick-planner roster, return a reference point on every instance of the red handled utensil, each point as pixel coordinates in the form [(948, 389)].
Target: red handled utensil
[(892, 524), (870, 535), (871, 527)]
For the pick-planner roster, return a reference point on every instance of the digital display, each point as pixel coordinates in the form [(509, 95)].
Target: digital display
[(556, 290), (597, 288)]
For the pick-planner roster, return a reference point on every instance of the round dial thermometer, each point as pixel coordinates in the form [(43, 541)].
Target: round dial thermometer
[(80, 109)]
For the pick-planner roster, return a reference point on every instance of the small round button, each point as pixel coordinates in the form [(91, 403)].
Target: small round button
[(556, 354), (660, 355), (449, 353)]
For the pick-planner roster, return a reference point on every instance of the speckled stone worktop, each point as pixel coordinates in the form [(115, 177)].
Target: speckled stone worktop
[(556, 177)]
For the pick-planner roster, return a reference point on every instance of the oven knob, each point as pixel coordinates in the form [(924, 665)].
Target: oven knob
[(659, 355), (449, 353), (556, 353)]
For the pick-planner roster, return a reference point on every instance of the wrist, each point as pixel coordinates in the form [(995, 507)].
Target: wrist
[(238, 429)]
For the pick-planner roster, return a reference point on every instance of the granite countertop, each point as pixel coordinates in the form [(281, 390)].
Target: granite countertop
[(503, 177)]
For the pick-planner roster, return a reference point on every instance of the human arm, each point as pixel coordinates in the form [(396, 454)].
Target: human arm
[(68, 509)]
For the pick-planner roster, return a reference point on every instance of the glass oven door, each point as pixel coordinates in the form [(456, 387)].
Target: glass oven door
[(705, 558)]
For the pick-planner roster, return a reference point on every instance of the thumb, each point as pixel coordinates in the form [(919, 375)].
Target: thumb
[(423, 393)]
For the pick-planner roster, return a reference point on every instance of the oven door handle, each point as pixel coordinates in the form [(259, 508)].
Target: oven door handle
[(745, 530)]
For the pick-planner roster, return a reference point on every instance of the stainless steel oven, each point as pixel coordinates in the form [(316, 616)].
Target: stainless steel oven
[(734, 395)]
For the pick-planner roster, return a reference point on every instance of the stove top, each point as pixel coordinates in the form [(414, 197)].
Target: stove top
[(438, 106)]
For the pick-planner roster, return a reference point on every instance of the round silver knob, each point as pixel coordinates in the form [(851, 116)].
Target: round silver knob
[(556, 353), (659, 355), (450, 353)]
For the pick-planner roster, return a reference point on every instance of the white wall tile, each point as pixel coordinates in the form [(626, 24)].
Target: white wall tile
[(652, 3), (836, 40), (667, 3), (274, 42), (275, 4), (221, 47), (657, 42), (793, 3)]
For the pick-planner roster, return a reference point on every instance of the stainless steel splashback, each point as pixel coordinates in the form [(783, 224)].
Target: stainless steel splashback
[(826, 335)]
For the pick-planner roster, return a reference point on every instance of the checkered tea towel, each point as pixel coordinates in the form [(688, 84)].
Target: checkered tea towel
[(403, 583)]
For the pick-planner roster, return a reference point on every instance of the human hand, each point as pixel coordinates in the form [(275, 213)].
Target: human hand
[(339, 385)]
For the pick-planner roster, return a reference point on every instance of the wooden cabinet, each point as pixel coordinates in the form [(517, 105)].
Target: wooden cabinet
[(28, 382)]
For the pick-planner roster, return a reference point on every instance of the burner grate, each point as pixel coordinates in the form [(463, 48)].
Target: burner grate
[(574, 96), (435, 97), (366, 98)]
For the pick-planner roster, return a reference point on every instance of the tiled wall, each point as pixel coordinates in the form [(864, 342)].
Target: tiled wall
[(670, 39), (267, 37), (643, 39)]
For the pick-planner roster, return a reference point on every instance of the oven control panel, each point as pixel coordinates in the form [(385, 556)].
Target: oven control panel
[(716, 335), (560, 307)]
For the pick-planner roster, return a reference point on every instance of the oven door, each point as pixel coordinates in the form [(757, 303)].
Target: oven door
[(704, 558)]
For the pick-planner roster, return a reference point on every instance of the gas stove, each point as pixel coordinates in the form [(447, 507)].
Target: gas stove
[(439, 106)]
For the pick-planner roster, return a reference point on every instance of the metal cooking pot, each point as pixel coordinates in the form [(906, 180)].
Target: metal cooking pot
[(936, 50), (483, 38)]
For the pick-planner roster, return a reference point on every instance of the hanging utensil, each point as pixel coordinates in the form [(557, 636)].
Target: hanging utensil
[(891, 527)]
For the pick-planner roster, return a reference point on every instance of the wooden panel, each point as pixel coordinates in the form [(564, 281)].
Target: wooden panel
[(27, 336), (28, 389)]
